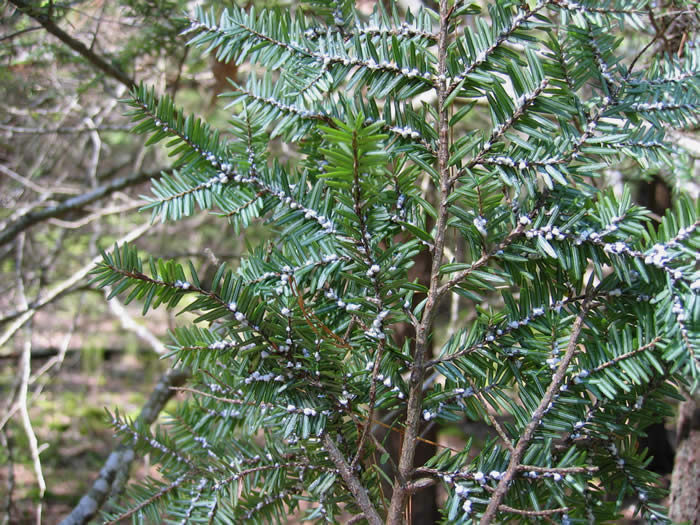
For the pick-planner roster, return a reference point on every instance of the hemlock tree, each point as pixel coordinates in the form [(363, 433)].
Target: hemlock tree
[(583, 316)]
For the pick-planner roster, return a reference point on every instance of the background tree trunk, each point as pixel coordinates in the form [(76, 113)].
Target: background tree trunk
[(685, 482)]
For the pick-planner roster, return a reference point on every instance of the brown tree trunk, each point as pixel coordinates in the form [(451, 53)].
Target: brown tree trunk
[(685, 482), (424, 507)]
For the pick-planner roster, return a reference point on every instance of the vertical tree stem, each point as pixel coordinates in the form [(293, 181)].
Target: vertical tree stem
[(397, 507)]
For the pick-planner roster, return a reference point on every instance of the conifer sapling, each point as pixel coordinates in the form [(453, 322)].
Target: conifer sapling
[(481, 140)]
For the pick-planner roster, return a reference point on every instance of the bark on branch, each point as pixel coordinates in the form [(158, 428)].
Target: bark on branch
[(397, 507), (552, 390), (358, 491)]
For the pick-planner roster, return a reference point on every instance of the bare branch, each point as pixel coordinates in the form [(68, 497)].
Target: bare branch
[(33, 444), (25, 369), (57, 360), (128, 323), (22, 180), (27, 314), (112, 210), (63, 130), (99, 62), (74, 203), (17, 33)]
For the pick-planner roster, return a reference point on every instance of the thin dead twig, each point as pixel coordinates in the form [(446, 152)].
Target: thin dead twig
[(10, 231), (25, 369)]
